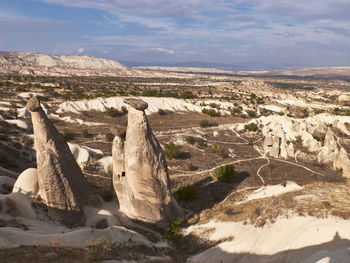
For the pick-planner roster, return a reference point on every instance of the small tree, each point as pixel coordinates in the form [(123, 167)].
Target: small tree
[(225, 173)]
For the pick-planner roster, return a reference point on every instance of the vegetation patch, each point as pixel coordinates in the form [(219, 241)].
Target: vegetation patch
[(206, 123), (173, 231), (186, 193), (97, 249), (225, 173), (171, 151), (251, 127), (211, 112)]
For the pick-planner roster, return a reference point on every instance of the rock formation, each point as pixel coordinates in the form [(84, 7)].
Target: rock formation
[(140, 174), (62, 186)]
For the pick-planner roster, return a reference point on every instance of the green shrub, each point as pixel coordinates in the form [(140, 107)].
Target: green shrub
[(253, 96), (171, 151), (187, 94), (250, 143), (211, 112), (112, 112), (225, 173), (201, 142), (173, 230), (67, 135), (186, 193), (214, 105), (251, 113), (251, 127), (109, 136), (281, 113), (206, 123), (191, 140)]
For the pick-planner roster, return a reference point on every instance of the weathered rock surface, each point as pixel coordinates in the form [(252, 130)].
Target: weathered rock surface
[(341, 162), (51, 65), (62, 186), (27, 183), (281, 132), (140, 174)]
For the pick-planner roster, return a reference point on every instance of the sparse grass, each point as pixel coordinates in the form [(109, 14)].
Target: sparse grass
[(225, 173), (171, 151), (186, 193), (97, 249)]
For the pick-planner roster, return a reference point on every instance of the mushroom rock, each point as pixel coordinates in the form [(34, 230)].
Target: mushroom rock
[(62, 186), (140, 173)]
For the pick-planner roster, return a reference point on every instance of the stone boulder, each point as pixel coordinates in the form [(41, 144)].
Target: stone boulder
[(27, 183), (140, 174), (62, 186)]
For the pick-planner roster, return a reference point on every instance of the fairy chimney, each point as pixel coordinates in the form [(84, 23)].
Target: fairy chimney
[(140, 173), (62, 186)]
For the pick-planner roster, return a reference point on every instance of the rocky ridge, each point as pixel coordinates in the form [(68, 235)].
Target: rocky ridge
[(30, 63)]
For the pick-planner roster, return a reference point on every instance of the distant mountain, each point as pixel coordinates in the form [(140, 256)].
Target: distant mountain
[(55, 65), (192, 64)]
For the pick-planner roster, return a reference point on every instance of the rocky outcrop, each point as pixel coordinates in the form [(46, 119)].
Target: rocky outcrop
[(329, 150), (140, 174), (51, 65), (342, 163), (62, 186)]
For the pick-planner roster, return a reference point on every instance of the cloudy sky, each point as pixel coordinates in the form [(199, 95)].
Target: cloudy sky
[(251, 33)]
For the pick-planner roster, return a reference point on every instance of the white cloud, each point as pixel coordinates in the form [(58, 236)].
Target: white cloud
[(81, 50), (163, 50)]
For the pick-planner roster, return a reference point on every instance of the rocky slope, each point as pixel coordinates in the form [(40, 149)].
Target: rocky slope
[(52, 65)]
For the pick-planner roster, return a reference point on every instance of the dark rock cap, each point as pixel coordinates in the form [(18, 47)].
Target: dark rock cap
[(136, 103), (33, 104)]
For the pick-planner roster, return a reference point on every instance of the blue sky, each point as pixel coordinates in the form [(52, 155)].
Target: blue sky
[(251, 33)]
